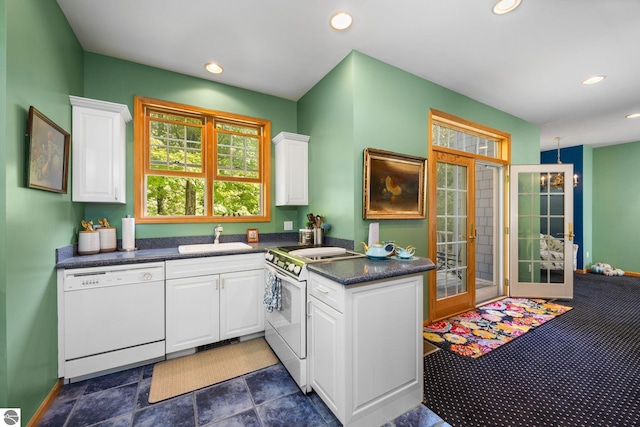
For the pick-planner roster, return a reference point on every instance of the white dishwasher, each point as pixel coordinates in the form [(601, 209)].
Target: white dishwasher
[(109, 317)]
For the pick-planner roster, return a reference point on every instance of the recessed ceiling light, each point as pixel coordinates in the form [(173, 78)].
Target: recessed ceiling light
[(633, 116), (341, 21), (593, 79), (214, 68), (505, 6)]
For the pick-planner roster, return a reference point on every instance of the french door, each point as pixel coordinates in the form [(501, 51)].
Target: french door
[(541, 231), (452, 284)]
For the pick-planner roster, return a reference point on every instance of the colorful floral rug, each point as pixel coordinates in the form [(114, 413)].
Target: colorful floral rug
[(477, 332)]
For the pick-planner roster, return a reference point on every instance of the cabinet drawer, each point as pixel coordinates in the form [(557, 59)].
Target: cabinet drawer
[(327, 291)]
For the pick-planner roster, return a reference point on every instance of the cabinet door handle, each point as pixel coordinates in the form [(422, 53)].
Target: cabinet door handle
[(222, 283), (322, 290), (308, 308), (217, 282)]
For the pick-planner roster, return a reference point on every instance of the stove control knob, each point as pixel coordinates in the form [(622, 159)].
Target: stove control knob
[(268, 256), (290, 267), (297, 269)]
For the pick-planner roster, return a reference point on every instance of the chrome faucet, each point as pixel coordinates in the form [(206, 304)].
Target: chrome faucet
[(217, 232)]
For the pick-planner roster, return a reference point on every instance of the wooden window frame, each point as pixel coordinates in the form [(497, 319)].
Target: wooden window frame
[(209, 155), (448, 120)]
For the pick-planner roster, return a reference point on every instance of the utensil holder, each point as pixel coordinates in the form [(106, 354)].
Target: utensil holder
[(317, 236)]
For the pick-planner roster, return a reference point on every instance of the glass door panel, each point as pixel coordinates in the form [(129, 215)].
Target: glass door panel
[(489, 223), (541, 235)]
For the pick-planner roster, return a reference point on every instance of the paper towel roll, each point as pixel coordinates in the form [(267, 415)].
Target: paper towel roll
[(374, 233), (128, 233)]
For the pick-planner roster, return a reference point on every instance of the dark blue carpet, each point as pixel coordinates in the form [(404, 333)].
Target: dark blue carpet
[(580, 369)]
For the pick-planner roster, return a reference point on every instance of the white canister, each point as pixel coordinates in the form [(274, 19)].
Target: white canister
[(107, 239), (88, 242)]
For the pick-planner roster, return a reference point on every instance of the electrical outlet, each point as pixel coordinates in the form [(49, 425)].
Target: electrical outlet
[(587, 254), (288, 225)]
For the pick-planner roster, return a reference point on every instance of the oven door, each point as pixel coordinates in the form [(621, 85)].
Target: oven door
[(290, 321)]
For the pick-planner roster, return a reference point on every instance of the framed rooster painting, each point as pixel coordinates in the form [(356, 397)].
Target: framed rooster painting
[(394, 185)]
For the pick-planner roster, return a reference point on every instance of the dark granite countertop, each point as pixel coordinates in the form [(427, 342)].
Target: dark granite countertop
[(150, 255), (346, 272), (166, 248), (359, 270)]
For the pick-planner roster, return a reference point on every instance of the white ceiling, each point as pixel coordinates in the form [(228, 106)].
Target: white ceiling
[(528, 63)]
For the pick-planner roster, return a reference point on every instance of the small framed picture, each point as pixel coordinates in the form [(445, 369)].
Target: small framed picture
[(252, 235)]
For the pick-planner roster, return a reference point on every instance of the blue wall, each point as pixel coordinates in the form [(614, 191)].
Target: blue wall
[(572, 155)]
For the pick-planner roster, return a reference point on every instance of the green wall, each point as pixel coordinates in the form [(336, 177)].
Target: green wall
[(587, 206), (44, 64), (364, 103), (616, 205), (326, 114), (114, 80), (3, 203)]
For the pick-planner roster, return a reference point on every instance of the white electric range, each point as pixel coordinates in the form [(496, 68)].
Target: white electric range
[(286, 329)]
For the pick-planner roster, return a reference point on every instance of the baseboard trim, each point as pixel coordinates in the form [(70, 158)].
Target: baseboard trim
[(46, 404)]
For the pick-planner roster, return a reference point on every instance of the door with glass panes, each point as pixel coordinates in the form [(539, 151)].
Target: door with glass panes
[(455, 231), (541, 231)]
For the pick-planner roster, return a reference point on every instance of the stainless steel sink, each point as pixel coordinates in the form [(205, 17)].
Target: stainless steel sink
[(212, 247)]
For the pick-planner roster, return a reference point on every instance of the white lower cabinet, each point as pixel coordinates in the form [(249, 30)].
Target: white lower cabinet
[(192, 312), (365, 347), (213, 299), (241, 309), (325, 368)]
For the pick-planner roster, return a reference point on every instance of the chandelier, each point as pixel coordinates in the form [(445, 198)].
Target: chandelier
[(556, 180)]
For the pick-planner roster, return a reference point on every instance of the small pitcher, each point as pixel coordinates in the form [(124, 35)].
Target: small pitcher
[(405, 253)]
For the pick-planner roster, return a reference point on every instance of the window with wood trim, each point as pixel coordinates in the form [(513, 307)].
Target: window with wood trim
[(198, 165), (454, 135)]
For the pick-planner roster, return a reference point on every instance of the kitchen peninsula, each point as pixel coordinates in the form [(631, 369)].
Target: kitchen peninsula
[(365, 337)]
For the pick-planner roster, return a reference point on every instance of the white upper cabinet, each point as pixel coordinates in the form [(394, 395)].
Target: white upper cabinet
[(99, 150), (292, 169)]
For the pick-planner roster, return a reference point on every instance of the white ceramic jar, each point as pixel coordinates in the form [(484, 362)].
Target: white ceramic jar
[(88, 242), (107, 239)]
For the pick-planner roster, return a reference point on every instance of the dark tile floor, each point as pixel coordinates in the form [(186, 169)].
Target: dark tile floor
[(268, 397)]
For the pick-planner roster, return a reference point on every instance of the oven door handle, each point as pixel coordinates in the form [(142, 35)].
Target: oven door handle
[(286, 279)]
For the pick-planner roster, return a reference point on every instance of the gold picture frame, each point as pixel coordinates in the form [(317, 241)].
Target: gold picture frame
[(48, 163), (252, 235), (394, 185)]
